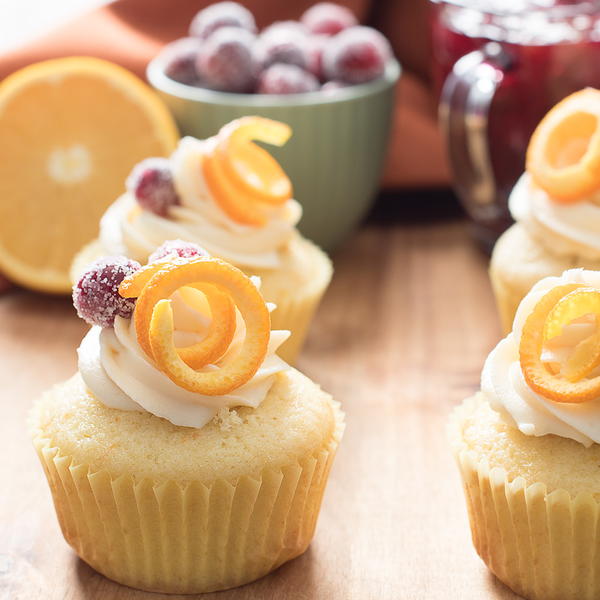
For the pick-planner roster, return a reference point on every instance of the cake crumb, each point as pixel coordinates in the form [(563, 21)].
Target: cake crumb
[(227, 418)]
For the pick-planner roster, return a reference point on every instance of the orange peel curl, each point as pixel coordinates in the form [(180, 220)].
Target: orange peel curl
[(563, 156), (243, 177), (560, 306), (225, 288)]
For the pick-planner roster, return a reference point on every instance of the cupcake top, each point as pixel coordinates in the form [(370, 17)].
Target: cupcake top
[(544, 377), (183, 338), (558, 198), (226, 193)]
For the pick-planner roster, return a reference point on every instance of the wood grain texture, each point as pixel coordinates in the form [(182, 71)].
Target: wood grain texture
[(400, 339)]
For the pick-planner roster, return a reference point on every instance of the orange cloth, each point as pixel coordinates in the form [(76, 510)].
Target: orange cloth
[(130, 33)]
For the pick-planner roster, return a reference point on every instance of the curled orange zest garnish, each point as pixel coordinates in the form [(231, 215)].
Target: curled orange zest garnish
[(559, 307), (563, 156), (243, 177), (225, 288)]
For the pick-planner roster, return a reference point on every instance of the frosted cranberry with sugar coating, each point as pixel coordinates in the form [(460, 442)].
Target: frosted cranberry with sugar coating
[(177, 248), (356, 55), (328, 18), (96, 295), (225, 61), (151, 182), (286, 79), (221, 14)]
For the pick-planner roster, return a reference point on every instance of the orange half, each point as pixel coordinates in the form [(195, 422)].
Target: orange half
[(71, 131)]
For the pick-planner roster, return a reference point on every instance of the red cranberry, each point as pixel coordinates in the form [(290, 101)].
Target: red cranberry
[(225, 61), (316, 46), (177, 248), (356, 55), (283, 42), (221, 14), (151, 182), (328, 18), (181, 57), (286, 79), (96, 295)]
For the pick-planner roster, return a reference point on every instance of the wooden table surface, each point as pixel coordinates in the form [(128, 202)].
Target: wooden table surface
[(400, 339)]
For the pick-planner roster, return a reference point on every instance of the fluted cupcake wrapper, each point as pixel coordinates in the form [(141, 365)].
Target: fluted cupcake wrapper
[(508, 297), (295, 314), (544, 546), (187, 536)]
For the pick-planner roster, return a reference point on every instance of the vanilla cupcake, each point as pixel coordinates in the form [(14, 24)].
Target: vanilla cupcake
[(556, 204), (528, 444), (231, 197), (184, 456)]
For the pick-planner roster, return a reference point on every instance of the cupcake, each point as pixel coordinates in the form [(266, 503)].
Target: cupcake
[(230, 196), (528, 444), (184, 456), (556, 204)]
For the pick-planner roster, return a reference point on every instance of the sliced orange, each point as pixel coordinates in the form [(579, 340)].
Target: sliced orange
[(71, 131), (153, 318), (563, 156), (243, 177)]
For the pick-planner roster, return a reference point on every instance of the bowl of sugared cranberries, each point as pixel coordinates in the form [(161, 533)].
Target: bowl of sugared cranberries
[(331, 79)]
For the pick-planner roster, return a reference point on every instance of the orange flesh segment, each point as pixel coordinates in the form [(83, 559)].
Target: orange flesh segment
[(153, 318), (563, 156), (555, 310), (243, 177)]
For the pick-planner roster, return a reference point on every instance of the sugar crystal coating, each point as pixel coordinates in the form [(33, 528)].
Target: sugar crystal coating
[(328, 18), (286, 79), (151, 182), (221, 14), (96, 295), (225, 61), (356, 55), (177, 248)]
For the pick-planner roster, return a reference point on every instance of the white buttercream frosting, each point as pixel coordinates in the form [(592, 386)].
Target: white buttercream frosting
[(503, 383), (126, 229), (120, 375), (566, 229)]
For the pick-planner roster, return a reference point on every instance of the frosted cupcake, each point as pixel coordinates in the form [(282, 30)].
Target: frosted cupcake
[(184, 456), (556, 204), (231, 197), (528, 445)]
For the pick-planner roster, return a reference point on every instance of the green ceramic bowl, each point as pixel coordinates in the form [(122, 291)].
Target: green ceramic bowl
[(335, 155)]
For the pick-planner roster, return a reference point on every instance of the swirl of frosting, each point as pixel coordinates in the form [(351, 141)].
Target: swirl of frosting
[(121, 375), (565, 229), (504, 385), (126, 229)]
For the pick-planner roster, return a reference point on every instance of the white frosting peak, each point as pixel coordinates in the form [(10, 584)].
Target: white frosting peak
[(120, 375), (503, 383), (124, 229)]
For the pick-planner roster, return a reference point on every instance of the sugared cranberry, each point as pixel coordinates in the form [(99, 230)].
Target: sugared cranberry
[(356, 55), (181, 57), (151, 182), (315, 48), (225, 60), (177, 248), (284, 43), (221, 14), (330, 86), (96, 295), (286, 79), (328, 18)]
